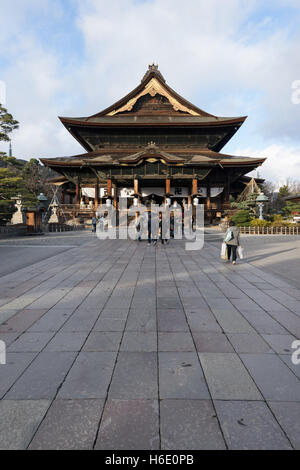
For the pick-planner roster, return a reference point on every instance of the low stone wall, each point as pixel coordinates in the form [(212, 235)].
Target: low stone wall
[(12, 230)]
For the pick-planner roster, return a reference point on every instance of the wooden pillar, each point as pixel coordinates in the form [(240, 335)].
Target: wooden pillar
[(109, 187), (115, 198), (78, 193), (208, 203), (168, 186), (226, 193), (195, 186), (208, 198), (136, 186), (96, 195), (62, 197)]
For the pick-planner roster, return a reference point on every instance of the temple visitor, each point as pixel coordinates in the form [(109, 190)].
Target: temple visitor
[(94, 223), (232, 240)]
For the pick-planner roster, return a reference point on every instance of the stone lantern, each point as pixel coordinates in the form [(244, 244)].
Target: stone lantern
[(261, 200), (42, 200), (43, 205), (54, 219), (18, 217)]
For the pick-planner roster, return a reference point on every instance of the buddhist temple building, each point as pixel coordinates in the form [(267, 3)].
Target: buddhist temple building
[(151, 144)]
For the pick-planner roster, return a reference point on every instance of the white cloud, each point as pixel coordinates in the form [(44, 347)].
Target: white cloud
[(218, 54), (2, 93), (282, 164)]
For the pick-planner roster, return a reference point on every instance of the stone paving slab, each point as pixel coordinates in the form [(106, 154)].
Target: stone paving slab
[(21, 321), (142, 319), (190, 425), (180, 376), (294, 367), (89, 376), (262, 322), (139, 341), (140, 432), (135, 376), (169, 320), (281, 344), (202, 321), (275, 380), (249, 343), (9, 338), (288, 416), (31, 342), (178, 341), (249, 425), (16, 364), (212, 342), (19, 421), (103, 341), (69, 425), (43, 377), (53, 320), (227, 378), (142, 347), (66, 342)]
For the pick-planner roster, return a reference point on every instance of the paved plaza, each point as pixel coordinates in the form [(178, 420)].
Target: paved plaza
[(116, 345)]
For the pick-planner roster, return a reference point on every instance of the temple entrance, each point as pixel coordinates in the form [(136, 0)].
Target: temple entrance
[(153, 199)]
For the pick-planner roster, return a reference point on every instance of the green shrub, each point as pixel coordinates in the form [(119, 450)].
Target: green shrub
[(242, 218), (259, 223), (277, 221)]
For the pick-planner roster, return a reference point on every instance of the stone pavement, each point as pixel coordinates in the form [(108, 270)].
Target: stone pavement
[(117, 345)]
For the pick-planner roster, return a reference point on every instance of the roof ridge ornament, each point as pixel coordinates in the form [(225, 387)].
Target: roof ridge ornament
[(151, 147), (153, 68)]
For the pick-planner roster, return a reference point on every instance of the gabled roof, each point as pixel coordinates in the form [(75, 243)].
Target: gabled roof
[(153, 84)]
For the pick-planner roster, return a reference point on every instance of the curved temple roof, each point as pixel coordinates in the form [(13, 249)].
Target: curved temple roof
[(155, 107), (151, 103), (186, 157)]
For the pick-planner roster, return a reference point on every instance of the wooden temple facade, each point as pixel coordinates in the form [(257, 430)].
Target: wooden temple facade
[(151, 144)]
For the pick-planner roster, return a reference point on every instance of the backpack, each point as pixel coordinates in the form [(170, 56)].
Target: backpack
[(229, 236)]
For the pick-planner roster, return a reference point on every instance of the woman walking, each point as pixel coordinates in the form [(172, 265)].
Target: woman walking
[(232, 240)]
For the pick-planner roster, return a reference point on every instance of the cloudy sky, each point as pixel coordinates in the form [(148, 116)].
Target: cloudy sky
[(229, 57)]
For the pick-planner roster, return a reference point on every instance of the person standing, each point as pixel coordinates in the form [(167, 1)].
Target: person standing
[(94, 223), (232, 240), (140, 227), (154, 227)]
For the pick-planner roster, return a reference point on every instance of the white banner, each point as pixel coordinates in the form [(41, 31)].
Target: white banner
[(214, 192), (179, 191), (126, 192), (90, 192)]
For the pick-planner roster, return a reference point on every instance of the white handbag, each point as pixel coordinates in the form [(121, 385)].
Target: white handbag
[(224, 251), (240, 252)]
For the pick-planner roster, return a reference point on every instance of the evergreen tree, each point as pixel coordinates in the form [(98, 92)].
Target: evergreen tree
[(284, 191), (7, 124)]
